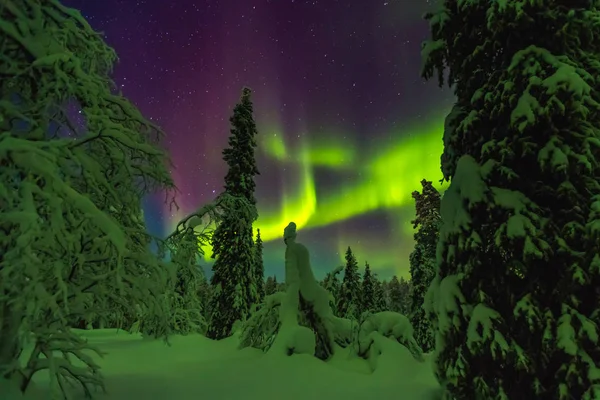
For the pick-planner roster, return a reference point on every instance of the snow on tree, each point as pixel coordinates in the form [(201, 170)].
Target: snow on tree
[(379, 294), (368, 291), (259, 268), (376, 327), (71, 204), (200, 223), (331, 282), (422, 259), (270, 286), (299, 320), (348, 303), (187, 314), (516, 295), (235, 289)]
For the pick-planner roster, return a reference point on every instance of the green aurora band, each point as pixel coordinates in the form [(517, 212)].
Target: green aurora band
[(385, 182)]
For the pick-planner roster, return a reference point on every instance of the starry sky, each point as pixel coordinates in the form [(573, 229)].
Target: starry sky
[(346, 126)]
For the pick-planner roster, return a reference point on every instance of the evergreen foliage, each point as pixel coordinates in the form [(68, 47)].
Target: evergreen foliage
[(74, 243), (270, 285), (187, 314), (235, 288), (331, 282), (379, 294), (516, 295), (399, 295), (348, 303), (259, 269), (422, 260), (368, 291)]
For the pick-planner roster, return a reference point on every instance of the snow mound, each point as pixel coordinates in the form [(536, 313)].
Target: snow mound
[(193, 367), (382, 325)]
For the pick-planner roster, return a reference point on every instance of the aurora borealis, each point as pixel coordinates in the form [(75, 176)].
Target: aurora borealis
[(347, 128)]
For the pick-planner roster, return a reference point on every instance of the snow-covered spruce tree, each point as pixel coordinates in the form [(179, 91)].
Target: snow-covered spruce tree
[(259, 268), (379, 294), (191, 234), (368, 291), (348, 302), (516, 291), (62, 244), (422, 259), (235, 289), (187, 314), (331, 282)]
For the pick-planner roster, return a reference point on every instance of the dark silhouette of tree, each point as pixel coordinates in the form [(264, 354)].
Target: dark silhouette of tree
[(348, 304), (368, 291), (73, 235), (422, 260), (270, 285), (259, 268), (233, 246), (516, 292)]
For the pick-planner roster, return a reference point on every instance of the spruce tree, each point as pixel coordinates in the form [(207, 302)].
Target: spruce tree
[(348, 304), (368, 291), (379, 294), (270, 286), (186, 313), (399, 291), (233, 279), (422, 260), (259, 268), (70, 200), (516, 291)]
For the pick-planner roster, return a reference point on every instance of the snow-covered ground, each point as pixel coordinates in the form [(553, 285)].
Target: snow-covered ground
[(194, 367)]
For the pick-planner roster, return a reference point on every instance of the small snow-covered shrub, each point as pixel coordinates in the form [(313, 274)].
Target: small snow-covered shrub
[(390, 325), (260, 329)]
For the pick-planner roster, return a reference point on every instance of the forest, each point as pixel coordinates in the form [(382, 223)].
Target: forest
[(504, 288)]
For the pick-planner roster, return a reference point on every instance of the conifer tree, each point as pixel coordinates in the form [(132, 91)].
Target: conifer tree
[(379, 294), (348, 304), (516, 290), (70, 202), (422, 260), (331, 282), (399, 295), (259, 268), (235, 288), (270, 285), (186, 314), (368, 291)]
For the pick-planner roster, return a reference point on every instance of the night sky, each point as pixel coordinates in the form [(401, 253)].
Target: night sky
[(347, 128)]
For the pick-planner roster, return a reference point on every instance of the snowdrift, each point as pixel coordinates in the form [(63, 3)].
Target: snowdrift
[(195, 367)]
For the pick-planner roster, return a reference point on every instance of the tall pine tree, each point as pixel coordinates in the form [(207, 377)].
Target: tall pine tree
[(422, 260), (348, 303), (368, 291), (259, 268), (516, 291), (235, 289)]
